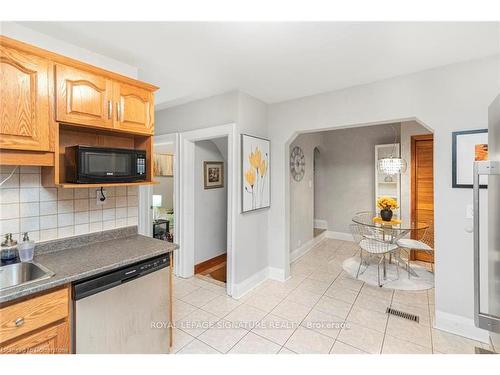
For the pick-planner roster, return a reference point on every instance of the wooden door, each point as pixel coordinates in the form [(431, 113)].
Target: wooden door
[(50, 340), (134, 110), (83, 98), (24, 101), (422, 189)]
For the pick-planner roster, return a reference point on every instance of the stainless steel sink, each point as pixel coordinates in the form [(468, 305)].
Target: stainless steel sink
[(17, 274)]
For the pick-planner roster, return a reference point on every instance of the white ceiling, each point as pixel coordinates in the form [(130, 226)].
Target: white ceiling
[(275, 61)]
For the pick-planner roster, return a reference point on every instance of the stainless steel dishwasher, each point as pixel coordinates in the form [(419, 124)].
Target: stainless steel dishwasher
[(124, 311)]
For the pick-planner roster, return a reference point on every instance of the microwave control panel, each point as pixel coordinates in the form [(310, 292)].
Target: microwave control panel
[(141, 165)]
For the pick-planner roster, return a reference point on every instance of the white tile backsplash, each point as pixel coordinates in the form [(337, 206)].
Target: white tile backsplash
[(48, 194), (30, 180), (48, 234), (12, 182), (9, 211), (48, 221), (65, 219), (121, 201), (81, 193), (29, 209), (29, 224), (31, 194), (48, 208), (9, 196), (48, 213), (81, 217), (81, 205), (64, 206)]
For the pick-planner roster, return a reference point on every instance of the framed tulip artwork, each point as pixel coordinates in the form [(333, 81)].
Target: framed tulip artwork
[(256, 183)]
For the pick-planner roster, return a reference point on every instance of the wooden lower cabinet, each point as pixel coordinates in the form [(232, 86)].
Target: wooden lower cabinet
[(51, 340), (37, 325)]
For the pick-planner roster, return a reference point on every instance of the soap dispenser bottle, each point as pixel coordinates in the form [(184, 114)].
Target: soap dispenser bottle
[(8, 249)]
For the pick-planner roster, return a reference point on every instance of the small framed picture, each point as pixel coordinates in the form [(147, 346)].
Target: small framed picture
[(213, 174), (468, 146)]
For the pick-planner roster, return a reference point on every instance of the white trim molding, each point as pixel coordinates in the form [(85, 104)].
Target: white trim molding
[(305, 248), (320, 224), (461, 326), (185, 214), (240, 289), (276, 274), (339, 236)]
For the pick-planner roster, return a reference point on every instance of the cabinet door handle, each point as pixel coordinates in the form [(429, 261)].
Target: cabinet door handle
[(19, 322), (118, 112), (110, 110)]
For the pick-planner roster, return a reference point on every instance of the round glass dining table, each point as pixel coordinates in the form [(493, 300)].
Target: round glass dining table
[(390, 231), (373, 219)]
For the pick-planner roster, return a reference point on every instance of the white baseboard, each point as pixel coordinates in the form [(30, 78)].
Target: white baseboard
[(461, 326), (276, 274), (240, 289), (297, 253), (339, 236), (320, 224)]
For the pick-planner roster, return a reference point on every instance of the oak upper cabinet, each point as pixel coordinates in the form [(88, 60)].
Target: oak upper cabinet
[(83, 98), (24, 101), (134, 109)]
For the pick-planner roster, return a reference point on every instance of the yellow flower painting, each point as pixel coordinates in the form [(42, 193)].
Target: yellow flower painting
[(255, 154)]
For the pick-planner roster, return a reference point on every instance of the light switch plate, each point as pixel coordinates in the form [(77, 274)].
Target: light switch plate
[(469, 211)]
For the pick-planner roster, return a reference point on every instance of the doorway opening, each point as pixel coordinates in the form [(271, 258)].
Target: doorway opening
[(210, 210), (207, 203), (164, 192)]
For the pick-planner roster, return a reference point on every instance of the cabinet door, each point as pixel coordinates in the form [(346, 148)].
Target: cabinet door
[(83, 98), (135, 109), (50, 340), (24, 101)]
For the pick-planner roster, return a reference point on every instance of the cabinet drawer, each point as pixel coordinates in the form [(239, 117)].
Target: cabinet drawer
[(51, 340), (26, 316)]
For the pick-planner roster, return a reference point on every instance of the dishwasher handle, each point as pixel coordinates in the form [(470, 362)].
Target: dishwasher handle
[(104, 281)]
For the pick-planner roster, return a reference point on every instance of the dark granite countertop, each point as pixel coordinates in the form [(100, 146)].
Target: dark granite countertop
[(79, 257)]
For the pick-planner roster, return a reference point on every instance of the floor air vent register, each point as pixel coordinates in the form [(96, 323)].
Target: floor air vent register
[(402, 314)]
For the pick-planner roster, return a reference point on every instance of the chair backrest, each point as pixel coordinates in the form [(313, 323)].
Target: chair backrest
[(365, 216), (428, 235), (357, 232), (378, 240)]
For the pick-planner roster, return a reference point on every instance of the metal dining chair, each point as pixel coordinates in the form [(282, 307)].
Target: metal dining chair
[(424, 243), (374, 242)]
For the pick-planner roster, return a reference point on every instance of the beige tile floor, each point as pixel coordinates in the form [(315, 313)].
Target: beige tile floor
[(320, 309)]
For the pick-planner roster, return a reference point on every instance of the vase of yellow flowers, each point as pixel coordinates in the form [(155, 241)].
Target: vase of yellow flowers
[(386, 205)]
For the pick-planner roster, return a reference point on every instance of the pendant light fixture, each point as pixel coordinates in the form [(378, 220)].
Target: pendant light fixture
[(392, 165)]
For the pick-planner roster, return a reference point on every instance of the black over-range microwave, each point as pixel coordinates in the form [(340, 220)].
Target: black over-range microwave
[(86, 165)]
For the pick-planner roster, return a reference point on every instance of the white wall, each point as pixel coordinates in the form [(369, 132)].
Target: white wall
[(408, 129), (216, 110), (450, 98), (250, 116), (210, 206), (24, 34)]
